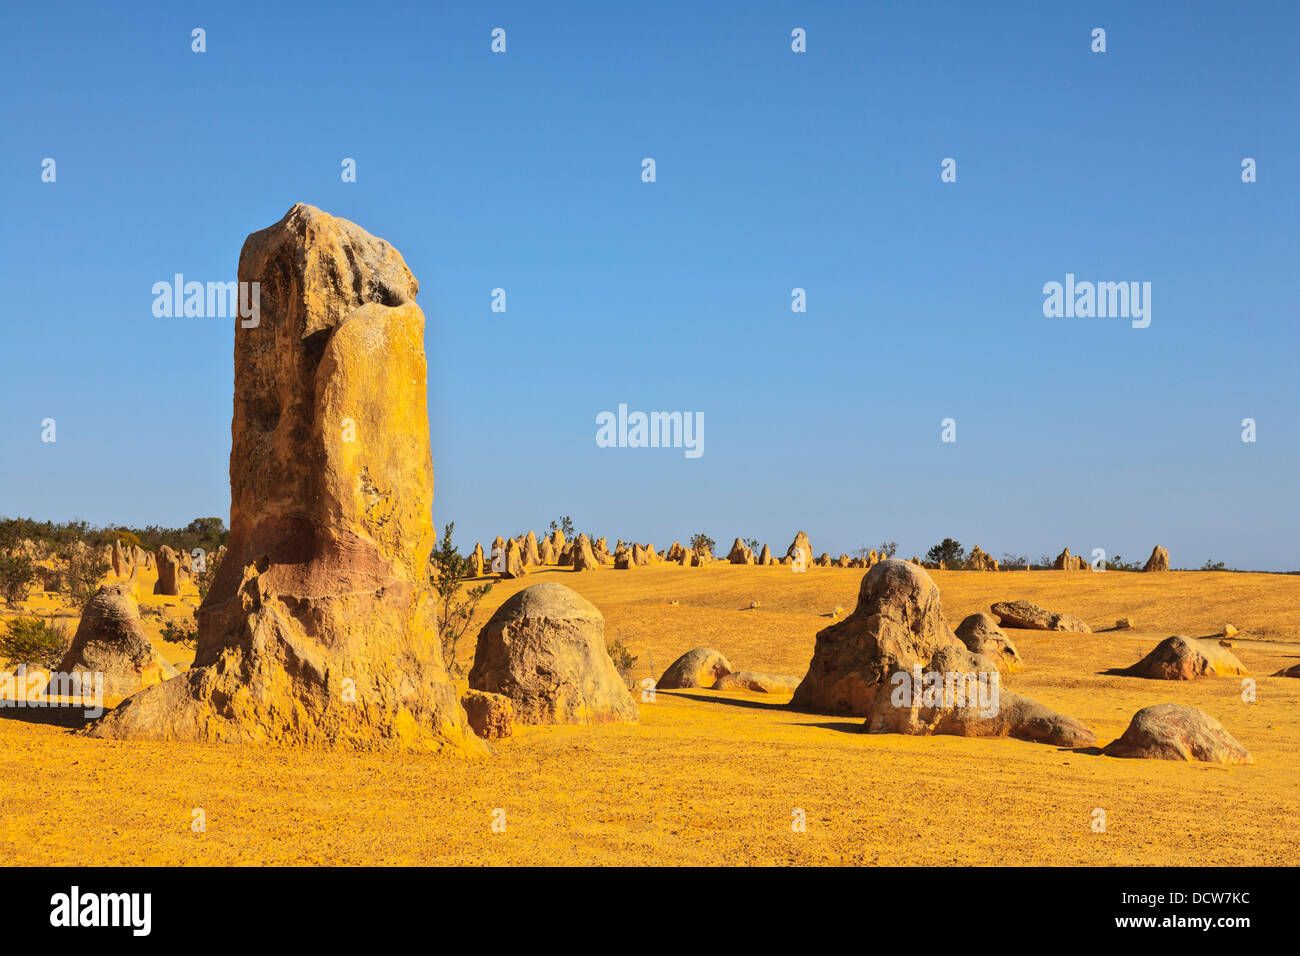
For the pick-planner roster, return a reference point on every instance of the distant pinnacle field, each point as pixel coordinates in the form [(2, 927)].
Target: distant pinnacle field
[(709, 777)]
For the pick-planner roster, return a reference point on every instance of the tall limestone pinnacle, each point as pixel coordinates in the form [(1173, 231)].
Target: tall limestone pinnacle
[(318, 629)]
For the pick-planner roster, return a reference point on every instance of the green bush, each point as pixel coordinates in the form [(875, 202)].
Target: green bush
[(16, 576), (703, 545), (204, 578), (34, 642), (85, 570), (128, 539), (455, 603), (180, 632), (949, 552), (623, 659)]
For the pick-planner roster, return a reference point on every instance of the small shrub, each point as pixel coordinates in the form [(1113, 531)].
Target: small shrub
[(128, 539), (702, 544), (184, 632), (624, 660), (34, 642), (949, 552), (16, 576), (448, 572), (85, 570), (1117, 563), (204, 578)]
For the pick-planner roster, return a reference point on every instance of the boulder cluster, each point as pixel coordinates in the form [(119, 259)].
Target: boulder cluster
[(704, 667), (895, 639)]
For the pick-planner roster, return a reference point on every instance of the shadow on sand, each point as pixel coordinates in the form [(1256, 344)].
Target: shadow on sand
[(733, 701), (71, 716)]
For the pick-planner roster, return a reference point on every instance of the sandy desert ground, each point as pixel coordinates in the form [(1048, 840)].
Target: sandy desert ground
[(712, 777)]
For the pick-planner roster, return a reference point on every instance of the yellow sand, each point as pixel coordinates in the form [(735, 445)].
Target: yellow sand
[(714, 778)]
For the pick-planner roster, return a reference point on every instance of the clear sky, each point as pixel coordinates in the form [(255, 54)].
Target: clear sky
[(775, 170)]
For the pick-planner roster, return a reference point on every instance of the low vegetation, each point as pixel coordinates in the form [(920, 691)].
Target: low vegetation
[(456, 601), (33, 641)]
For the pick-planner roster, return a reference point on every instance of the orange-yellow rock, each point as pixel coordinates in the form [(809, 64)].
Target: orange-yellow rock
[(318, 629)]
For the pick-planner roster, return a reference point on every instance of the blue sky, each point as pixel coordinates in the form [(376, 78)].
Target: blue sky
[(775, 170)]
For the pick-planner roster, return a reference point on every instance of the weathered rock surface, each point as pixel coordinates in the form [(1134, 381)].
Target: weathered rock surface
[(1019, 717), (318, 629), (530, 555), (981, 635), (120, 561), (897, 633), (623, 559), (584, 559), (1027, 616), (514, 560), (800, 545), (1159, 560), (492, 716), (168, 573), (757, 682), (701, 667), (1176, 732), (980, 561), (740, 554), (111, 640), (544, 648), (1186, 658)]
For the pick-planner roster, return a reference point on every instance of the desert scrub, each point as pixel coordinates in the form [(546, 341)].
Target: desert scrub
[(16, 576), (34, 642), (180, 632), (624, 660), (455, 601)]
